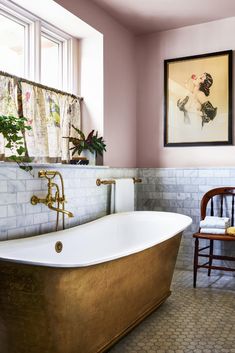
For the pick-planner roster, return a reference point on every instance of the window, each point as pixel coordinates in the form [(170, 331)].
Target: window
[(33, 49), (50, 62), (12, 46)]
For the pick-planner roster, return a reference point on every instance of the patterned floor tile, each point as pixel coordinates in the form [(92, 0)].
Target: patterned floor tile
[(192, 320)]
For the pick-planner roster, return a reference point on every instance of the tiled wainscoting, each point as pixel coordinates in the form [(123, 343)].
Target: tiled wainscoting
[(180, 190), (18, 218)]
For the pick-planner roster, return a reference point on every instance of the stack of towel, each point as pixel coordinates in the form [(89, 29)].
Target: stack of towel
[(214, 225)]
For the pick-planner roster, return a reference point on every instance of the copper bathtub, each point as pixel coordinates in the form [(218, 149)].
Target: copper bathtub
[(82, 289)]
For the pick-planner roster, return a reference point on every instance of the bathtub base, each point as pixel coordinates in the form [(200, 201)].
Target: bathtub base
[(133, 325), (82, 310)]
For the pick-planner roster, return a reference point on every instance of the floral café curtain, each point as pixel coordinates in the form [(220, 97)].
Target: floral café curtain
[(8, 105), (49, 112)]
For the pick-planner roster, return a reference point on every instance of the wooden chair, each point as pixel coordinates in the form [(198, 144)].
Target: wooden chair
[(219, 198)]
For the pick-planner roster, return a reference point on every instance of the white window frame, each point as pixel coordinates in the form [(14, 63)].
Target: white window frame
[(26, 26), (62, 40), (47, 35), (34, 28)]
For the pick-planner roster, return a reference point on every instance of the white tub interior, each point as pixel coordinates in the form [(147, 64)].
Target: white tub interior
[(102, 240)]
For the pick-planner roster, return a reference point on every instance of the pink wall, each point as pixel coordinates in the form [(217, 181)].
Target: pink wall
[(133, 129), (119, 82), (152, 50)]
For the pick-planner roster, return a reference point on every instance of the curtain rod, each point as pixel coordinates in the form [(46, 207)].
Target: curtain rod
[(20, 79)]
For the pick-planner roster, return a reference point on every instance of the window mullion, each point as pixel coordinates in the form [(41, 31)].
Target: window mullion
[(27, 51), (36, 51), (61, 65), (65, 63), (72, 73)]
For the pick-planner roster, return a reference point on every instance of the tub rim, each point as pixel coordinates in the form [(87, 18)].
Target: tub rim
[(62, 233)]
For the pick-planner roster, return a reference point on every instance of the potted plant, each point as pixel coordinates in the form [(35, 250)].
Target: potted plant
[(87, 147), (13, 130)]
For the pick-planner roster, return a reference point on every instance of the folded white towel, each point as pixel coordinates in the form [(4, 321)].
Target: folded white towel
[(215, 222), (213, 230)]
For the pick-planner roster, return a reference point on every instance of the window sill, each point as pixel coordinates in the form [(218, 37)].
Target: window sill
[(53, 165)]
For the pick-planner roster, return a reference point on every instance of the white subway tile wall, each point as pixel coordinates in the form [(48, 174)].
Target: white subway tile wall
[(18, 218), (180, 190)]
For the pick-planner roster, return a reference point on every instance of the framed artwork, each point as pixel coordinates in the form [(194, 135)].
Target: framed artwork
[(198, 100)]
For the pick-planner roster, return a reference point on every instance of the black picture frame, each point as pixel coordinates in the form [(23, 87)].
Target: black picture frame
[(212, 111)]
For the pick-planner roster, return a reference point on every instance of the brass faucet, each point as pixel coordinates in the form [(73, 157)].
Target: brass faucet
[(50, 199)]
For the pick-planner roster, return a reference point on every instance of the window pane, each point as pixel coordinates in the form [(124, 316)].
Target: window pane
[(50, 62), (12, 46)]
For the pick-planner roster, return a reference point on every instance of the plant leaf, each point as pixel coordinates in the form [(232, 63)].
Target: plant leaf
[(79, 132)]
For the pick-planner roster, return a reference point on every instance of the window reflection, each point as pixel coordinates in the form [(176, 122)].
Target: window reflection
[(12, 44), (50, 74)]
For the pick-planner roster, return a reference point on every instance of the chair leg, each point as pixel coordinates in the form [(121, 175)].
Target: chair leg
[(210, 254), (195, 266)]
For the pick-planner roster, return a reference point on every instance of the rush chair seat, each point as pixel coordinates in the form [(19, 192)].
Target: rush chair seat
[(216, 202)]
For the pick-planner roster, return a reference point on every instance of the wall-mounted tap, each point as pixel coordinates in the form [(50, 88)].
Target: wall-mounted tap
[(50, 199)]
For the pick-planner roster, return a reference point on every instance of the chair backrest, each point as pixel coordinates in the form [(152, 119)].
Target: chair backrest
[(221, 203)]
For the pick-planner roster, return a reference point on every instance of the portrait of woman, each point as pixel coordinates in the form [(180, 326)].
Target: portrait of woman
[(198, 100)]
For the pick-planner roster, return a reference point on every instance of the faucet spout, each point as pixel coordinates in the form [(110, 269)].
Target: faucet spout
[(57, 209)]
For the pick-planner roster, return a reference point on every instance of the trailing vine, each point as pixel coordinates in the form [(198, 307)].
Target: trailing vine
[(13, 129)]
